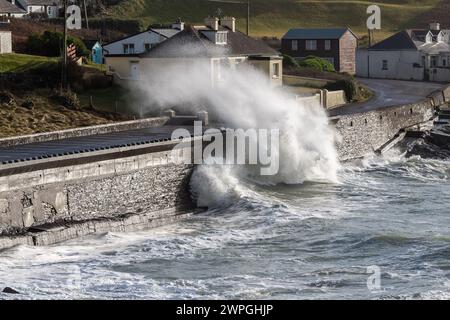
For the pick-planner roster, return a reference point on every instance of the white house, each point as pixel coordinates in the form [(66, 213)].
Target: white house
[(5, 42), (50, 7), (217, 43), (10, 9), (142, 41), (408, 55)]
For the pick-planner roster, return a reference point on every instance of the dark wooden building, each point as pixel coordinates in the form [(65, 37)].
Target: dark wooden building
[(337, 45)]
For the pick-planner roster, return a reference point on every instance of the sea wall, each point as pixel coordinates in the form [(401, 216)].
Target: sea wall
[(120, 190), (364, 133)]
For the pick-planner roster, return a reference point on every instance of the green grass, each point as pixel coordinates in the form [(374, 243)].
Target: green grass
[(22, 62), (275, 17)]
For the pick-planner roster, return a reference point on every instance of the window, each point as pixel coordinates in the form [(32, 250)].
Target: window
[(294, 45), (444, 62), (433, 61), (311, 44), (128, 48), (385, 65), (147, 46), (327, 44), (221, 38), (276, 70), (49, 10)]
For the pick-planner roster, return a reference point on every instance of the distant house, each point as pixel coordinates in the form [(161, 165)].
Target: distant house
[(9, 9), (217, 42), (5, 42), (414, 54), (50, 7), (337, 45), (142, 41), (96, 50)]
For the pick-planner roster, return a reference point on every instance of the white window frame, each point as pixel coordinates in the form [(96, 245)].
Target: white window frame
[(294, 45), (327, 45), (311, 45), (128, 48), (276, 70), (221, 38)]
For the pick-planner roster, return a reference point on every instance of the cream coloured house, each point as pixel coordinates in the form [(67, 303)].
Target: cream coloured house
[(218, 43)]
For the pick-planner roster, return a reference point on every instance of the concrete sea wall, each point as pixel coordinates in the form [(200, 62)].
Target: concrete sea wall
[(129, 189), (364, 133)]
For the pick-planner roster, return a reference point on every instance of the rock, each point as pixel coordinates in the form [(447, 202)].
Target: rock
[(10, 291), (28, 104), (6, 98), (68, 100)]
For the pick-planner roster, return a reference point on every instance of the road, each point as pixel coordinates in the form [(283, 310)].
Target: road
[(389, 93)]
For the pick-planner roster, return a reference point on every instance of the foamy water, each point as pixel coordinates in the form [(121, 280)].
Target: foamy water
[(313, 240)]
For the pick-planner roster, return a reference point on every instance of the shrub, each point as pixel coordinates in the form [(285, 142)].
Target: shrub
[(49, 44), (288, 61), (350, 88), (317, 63)]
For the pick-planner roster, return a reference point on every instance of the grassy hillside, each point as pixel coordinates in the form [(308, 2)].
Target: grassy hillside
[(23, 62), (274, 17)]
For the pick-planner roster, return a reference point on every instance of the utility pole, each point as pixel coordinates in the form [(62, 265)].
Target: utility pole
[(64, 50), (248, 17), (85, 14)]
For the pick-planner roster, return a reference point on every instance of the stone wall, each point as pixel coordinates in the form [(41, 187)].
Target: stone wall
[(151, 186), (364, 133)]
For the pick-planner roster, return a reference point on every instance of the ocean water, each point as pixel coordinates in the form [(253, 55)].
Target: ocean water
[(314, 240)]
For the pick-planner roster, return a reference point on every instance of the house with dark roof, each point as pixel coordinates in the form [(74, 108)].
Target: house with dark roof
[(9, 9), (412, 54), (217, 42), (143, 41), (337, 45), (48, 7)]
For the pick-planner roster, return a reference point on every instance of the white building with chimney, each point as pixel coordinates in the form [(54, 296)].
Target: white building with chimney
[(413, 54)]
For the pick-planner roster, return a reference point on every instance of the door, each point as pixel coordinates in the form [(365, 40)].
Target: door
[(134, 71)]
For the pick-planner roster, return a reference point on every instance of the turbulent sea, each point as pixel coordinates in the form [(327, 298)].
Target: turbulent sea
[(307, 241)]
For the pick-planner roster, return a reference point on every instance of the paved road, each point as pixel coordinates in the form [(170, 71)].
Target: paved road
[(389, 93)]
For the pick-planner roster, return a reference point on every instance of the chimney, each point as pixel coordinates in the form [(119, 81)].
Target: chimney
[(229, 22), (435, 26), (212, 22), (178, 24), (13, 1)]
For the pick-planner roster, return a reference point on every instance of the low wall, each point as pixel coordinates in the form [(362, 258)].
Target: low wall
[(131, 188), (86, 131), (334, 98), (364, 133), (326, 99)]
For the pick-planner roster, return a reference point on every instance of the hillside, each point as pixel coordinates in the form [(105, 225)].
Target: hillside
[(274, 17)]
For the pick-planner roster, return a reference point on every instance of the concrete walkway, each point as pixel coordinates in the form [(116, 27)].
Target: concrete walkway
[(389, 93)]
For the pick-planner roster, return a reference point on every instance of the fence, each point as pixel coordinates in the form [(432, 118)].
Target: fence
[(326, 99)]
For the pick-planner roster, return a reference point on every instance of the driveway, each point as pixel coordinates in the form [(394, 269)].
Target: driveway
[(389, 93)]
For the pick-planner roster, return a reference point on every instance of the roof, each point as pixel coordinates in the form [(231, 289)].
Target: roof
[(91, 43), (192, 43), (412, 40), (8, 7), (167, 33), (399, 41), (41, 2), (312, 34)]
